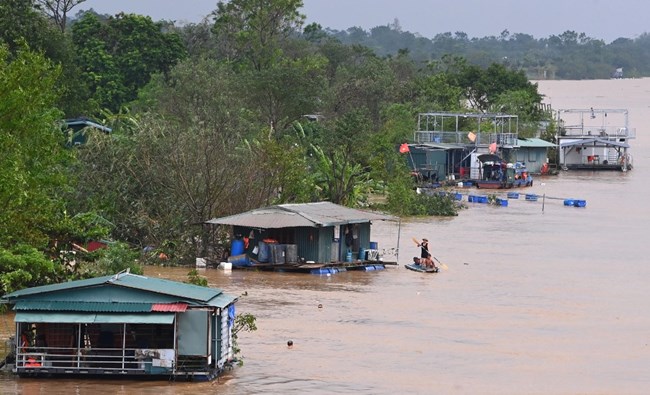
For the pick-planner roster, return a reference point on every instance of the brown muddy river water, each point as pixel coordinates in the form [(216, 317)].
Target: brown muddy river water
[(552, 301)]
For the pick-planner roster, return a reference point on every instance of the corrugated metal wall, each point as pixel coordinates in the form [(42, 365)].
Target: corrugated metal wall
[(325, 237), (533, 157), (314, 244)]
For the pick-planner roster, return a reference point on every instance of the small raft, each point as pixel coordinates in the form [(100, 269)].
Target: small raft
[(421, 269)]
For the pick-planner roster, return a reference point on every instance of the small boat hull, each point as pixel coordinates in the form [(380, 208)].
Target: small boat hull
[(421, 269)]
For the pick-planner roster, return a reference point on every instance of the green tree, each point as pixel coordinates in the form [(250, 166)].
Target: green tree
[(282, 77), (363, 81), (118, 57), (23, 266), (253, 31), (33, 164), (21, 23), (58, 10), (339, 172)]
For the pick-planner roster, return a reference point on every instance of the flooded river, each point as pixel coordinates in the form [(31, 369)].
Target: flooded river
[(538, 298)]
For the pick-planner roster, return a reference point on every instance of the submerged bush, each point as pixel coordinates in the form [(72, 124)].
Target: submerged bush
[(403, 200)]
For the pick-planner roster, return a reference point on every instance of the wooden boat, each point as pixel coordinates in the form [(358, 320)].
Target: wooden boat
[(515, 176), (421, 269)]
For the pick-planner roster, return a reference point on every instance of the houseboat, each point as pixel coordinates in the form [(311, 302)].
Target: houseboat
[(594, 139), (123, 325), (497, 174), (447, 146), (318, 238)]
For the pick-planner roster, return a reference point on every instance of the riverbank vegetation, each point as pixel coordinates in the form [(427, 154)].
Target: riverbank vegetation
[(247, 109)]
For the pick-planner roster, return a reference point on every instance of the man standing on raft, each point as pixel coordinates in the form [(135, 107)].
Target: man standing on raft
[(424, 246)]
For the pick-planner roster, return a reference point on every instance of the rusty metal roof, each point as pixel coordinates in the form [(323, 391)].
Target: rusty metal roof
[(169, 307), (300, 215)]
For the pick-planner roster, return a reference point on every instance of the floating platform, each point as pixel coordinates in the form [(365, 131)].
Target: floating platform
[(319, 268)]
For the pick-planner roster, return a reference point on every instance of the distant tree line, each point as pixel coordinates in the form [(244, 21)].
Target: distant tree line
[(249, 108), (569, 55)]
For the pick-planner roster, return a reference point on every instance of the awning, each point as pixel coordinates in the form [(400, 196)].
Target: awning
[(83, 307), (593, 141), (169, 307), (92, 318), (489, 158)]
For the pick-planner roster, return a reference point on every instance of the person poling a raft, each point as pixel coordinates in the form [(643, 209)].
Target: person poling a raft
[(425, 254)]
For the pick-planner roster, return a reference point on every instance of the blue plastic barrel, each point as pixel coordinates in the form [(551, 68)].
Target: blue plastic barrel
[(348, 256), (374, 245), (513, 195), (531, 197), (237, 247), (580, 203), (239, 260), (569, 202), (502, 202)]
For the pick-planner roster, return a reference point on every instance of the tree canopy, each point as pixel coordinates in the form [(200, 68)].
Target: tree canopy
[(211, 119)]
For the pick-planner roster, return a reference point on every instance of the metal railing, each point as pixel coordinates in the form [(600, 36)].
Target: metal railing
[(501, 139), (87, 360)]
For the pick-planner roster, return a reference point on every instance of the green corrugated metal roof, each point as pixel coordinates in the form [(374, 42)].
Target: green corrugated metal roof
[(92, 318), (193, 294), (57, 305), (168, 287), (58, 287), (534, 143), (222, 300)]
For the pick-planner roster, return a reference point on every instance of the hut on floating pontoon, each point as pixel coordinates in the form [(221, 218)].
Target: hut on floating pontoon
[(293, 234), (122, 325)]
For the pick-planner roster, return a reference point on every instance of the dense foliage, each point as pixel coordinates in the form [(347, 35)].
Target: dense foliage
[(247, 109), (569, 55)]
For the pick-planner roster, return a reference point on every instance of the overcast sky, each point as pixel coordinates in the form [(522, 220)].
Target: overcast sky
[(599, 19)]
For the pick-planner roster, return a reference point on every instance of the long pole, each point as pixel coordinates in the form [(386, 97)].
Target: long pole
[(399, 232)]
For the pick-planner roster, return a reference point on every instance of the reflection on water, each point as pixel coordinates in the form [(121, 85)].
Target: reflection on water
[(551, 301)]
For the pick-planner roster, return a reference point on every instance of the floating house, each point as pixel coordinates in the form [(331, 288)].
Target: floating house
[(534, 153), (303, 238), (448, 145), (122, 325), (594, 139)]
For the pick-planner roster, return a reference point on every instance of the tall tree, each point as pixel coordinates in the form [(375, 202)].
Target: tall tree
[(33, 162), (339, 170), (20, 22), (119, 56), (58, 10), (260, 37), (253, 30)]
